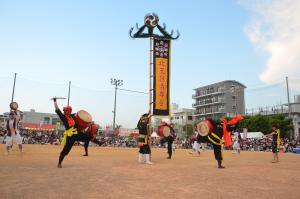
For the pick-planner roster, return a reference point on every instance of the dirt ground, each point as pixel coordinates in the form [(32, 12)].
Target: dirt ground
[(115, 173)]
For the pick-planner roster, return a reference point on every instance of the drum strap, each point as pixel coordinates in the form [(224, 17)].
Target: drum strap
[(217, 141), (142, 140)]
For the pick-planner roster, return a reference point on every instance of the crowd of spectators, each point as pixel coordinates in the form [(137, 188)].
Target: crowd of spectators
[(50, 137), (265, 144), (34, 137)]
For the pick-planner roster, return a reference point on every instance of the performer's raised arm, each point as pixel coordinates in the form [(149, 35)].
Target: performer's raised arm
[(55, 104)]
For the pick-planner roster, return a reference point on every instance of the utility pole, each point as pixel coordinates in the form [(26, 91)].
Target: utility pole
[(116, 83), (13, 92), (69, 92), (288, 97)]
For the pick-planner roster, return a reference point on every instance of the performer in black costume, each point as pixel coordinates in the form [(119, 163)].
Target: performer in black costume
[(71, 134), (275, 142), (169, 140), (215, 137), (143, 139), (92, 133)]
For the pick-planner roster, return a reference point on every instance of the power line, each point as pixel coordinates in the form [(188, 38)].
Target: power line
[(132, 91)]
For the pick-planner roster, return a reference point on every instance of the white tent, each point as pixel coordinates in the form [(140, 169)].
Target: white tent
[(256, 135), (154, 135)]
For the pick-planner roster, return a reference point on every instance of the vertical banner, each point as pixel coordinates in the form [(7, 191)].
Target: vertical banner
[(161, 77)]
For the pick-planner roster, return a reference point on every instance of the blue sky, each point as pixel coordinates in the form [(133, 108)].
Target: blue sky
[(49, 43)]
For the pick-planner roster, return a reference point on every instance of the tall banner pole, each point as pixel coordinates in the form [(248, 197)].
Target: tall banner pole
[(13, 92), (147, 31), (151, 85)]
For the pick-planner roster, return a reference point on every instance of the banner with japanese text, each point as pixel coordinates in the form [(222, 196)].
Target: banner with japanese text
[(161, 77)]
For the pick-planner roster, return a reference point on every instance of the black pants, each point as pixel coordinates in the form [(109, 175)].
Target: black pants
[(169, 140), (274, 147), (83, 137), (86, 143), (218, 152), (145, 149)]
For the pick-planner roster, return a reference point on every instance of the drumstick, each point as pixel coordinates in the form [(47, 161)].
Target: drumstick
[(57, 98)]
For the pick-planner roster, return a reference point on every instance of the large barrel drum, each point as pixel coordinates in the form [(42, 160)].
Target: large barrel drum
[(14, 106), (204, 127), (82, 119), (164, 131)]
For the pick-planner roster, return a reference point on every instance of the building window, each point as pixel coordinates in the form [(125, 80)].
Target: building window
[(232, 88), (46, 120), (233, 107), (233, 97), (190, 117)]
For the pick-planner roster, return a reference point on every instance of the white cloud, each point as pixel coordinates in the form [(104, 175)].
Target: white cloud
[(271, 94), (275, 31)]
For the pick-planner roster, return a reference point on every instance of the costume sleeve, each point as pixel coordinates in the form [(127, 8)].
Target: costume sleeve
[(63, 118)]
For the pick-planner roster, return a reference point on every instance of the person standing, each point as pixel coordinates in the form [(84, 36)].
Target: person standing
[(196, 142), (143, 139), (237, 142), (275, 142), (13, 134)]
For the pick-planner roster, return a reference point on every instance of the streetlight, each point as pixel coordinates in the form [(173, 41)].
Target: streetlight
[(116, 83)]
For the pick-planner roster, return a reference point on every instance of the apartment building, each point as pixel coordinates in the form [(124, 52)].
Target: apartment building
[(222, 99)]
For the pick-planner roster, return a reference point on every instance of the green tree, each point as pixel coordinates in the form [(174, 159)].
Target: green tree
[(189, 129), (262, 123)]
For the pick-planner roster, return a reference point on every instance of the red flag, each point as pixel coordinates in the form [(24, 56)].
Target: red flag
[(227, 138), (235, 119)]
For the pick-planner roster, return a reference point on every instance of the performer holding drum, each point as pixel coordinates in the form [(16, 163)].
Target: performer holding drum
[(143, 139), (168, 133), (13, 135), (75, 125), (214, 131), (92, 133)]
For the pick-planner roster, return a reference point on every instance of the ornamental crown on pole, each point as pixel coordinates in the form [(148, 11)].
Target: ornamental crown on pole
[(150, 22)]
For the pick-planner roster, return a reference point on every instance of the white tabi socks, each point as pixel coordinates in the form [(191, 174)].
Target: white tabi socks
[(141, 158), (148, 159)]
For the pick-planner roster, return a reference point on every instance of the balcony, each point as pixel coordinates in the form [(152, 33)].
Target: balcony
[(211, 102), (206, 114), (196, 96), (209, 112)]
